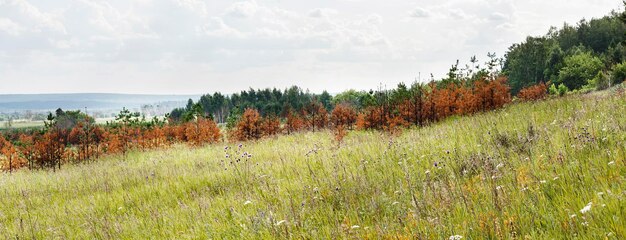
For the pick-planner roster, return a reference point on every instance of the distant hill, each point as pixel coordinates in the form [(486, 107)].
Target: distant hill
[(92, 101)]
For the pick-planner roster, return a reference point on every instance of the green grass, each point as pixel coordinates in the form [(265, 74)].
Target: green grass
[(523, 171), (21, 124)]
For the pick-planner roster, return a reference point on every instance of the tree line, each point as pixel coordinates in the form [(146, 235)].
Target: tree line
[(586, 56)]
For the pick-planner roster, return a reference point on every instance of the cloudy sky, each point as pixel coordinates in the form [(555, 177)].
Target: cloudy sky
[(200, 46)]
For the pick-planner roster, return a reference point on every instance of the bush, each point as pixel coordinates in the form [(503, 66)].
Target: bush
[(599, 82), (618, 73), (553, 90), (579, 69), (562, 90), (535, 92)]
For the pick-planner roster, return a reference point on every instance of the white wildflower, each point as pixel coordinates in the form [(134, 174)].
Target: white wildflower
[(586, 208), (600, 193), (280, 222), (585, 224), (499, 165), (394, 203), (247, 202), (498, 187), (572, 216), (555, 178), (542, 181), (455, 237), (355, 227), (427, 171), (611, 162)]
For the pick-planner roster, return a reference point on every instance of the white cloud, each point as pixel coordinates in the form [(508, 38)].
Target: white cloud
[(243, 9), (419, 13), (31, 14), (10, 27), (182, 46), (322, 12)]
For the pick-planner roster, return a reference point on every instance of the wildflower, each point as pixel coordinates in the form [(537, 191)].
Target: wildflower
[(240, 145), (585, 224), (455, 237), (394, 203), (586, 208), (247, 202), (225, 148), (355, 227), (542, 181), (611, 162), (555, 178), (498, 187), (427, 172), (280, 222), (499, 165), (227, 155), (600, 193), (572, 216)]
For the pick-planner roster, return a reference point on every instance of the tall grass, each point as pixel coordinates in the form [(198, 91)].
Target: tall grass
[(523, 171)]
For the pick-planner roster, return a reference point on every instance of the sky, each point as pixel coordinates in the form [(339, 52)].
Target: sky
[(196, 46)]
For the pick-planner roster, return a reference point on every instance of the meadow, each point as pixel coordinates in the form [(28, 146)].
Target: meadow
[(541, 170)]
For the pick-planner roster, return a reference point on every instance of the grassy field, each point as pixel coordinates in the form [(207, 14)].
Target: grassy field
[(21, 124), (546, 170)]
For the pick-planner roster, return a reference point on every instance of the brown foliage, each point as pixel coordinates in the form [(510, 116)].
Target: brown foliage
[(293, 123), (202, 131), (534, 92), (9, 155), (316, 116), (248, 127), (50, 149), (492, 94), (270, 126), (343, 115)]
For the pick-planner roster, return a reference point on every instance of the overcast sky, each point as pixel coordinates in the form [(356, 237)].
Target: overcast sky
[(196, 46)]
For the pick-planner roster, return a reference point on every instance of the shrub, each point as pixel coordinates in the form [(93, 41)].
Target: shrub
[(552, 90), (618, 73), (532, 93), (249, 126), (562, 90)]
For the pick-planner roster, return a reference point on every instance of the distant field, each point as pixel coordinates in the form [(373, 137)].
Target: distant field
[(21, 124), (26, 123), (547, 170)]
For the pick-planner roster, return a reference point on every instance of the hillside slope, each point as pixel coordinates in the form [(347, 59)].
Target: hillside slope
[(541, 170)]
